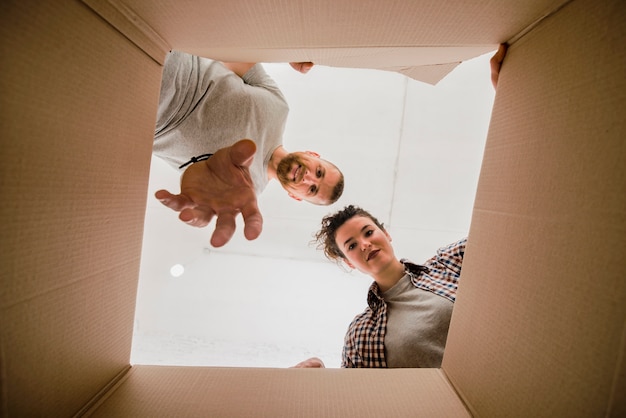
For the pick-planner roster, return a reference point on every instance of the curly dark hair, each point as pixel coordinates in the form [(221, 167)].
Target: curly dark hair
[(325, 237)]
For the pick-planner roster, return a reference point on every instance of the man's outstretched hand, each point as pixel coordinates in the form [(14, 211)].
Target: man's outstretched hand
[(220, 186)]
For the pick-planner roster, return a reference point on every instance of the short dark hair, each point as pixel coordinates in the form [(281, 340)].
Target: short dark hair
[(325, 237), (337, 190)]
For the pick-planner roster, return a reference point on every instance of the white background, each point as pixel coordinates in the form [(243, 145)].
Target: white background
[(411, 155)]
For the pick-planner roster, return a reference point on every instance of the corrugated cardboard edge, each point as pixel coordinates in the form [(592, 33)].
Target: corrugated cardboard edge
[(280, 392), (105, 393), (431, 74), (423, 63), (131, 25), (138, 31), (453, 388), (530, 27)]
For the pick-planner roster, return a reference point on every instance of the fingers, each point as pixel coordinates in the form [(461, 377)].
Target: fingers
[(253, 221), (196, 217), (311, 363), (224, 228), (496, 60), (496, 63), (175, 202), (302, 67), (242, 152), (219, 187), (225, 224)]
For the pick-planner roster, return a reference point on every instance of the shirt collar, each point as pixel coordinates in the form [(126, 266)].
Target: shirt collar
[(374, 298), (412, 269)]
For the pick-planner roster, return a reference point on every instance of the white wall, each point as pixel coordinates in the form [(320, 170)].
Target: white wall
[(410, 154)]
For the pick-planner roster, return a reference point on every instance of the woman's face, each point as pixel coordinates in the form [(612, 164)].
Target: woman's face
[(366, 247)]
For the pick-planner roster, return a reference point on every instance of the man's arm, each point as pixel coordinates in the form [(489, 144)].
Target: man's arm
[(239, 68), (221, 186)]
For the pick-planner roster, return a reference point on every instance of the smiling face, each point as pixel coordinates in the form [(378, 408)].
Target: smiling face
[(365, 246), (307, 177)]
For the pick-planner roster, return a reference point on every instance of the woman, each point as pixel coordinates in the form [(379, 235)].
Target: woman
[(409, 306)]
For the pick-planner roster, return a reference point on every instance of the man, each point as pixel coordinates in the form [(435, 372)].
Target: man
[(205, 108)]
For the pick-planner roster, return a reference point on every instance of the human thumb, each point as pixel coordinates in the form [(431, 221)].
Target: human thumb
[(242, 152)]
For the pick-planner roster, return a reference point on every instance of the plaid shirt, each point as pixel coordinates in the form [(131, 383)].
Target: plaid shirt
[(364, 344)]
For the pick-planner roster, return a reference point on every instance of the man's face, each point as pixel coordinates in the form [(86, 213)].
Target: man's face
[(307, 177)]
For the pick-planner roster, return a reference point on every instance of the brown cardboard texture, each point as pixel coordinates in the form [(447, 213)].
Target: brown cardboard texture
[(544, 330), (236, 392), (424, 40), (539, 327)]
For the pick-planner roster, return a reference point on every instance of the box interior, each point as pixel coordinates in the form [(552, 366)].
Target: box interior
[(539, 325)]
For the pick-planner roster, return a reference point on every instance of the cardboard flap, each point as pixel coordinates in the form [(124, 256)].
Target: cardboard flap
[(538, 327), (242, 392), (121, 17), (421, 39), (76, 130)]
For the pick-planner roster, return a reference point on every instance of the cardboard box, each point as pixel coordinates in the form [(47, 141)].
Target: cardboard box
[(539, 325)]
